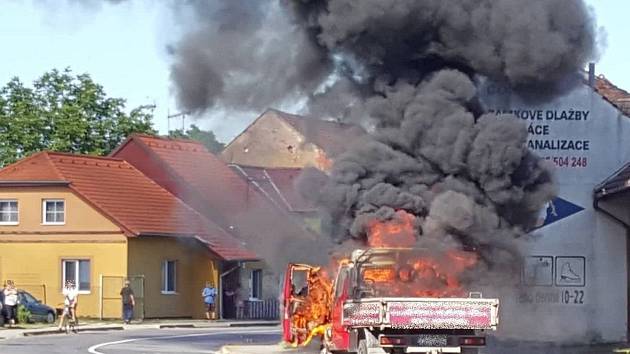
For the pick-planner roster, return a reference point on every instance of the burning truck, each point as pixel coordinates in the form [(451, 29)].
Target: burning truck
[(388, 298)]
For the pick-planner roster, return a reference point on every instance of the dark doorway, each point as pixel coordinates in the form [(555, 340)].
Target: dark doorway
[(231, 282)]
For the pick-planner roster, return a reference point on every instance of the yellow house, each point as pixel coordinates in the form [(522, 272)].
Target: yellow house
[(98, 221)]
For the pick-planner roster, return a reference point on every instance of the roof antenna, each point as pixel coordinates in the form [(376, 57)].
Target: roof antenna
[(177, 115)]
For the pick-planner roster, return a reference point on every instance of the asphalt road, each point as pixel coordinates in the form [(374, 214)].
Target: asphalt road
[(210, 340), (182, 341)]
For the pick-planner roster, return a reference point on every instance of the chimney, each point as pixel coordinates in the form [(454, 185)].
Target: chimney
[(591, 74)]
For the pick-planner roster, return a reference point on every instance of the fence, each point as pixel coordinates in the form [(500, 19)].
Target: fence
[(259, 310), (109, 296)]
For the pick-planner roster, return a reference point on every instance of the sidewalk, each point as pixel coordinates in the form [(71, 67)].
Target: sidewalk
[(95, 325), (255, 349)]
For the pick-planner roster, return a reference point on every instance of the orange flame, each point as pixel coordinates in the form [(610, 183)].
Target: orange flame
[(312, 309), (322, 162), (422, 273), (397, 232), (417, 273)]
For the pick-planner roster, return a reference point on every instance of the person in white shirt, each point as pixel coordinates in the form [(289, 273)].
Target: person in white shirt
[(70, 300), (10, 301)]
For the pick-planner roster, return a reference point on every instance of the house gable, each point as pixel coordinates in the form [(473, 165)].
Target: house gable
[(80, 217), (271, 142)]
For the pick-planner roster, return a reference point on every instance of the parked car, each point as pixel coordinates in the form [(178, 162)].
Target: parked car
[(40, 312), (1, 309)]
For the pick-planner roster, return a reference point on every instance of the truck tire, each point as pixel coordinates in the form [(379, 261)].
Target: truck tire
[(362, 347), (324, 350)]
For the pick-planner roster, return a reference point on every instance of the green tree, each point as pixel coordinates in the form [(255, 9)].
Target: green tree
[(64, 112), (206, 137)]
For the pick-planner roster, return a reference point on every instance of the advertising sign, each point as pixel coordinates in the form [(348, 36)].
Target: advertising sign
[(574, 277)]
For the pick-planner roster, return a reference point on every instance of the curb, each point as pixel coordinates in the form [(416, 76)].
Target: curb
[(219, 325), (254, 324), (53, 331), (80, 329), (183, 325), (253, 348)]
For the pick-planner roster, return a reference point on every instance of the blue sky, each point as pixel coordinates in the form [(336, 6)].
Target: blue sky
[(123, 48)]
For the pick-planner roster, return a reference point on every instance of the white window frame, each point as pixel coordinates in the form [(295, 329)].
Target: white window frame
[(165, 290), (251, 285), (65, 215), (18, 212), (77, 273)]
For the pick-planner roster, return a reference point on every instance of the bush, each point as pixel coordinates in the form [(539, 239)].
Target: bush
[(23, 315)]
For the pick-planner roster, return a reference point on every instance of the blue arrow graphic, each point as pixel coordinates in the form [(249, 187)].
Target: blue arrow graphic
[(558, 209)]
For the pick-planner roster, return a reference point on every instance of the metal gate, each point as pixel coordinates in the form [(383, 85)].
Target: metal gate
[(110, 301)]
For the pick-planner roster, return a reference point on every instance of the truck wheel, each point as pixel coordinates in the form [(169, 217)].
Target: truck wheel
[(362, 347), (324, 350)]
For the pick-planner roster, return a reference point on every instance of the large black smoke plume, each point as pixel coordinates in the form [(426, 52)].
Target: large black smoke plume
[(468, 178), (406, 69)]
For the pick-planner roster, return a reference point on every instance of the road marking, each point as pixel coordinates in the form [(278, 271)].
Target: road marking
[(93, 349)]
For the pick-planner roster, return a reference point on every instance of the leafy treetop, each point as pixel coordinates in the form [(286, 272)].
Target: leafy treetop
[(64, 112), (206, 137)]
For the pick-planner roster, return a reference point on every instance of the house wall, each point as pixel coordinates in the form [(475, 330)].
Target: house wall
[(271, 142), (80, 216), (32, 253), (195, 266), (269, 279), (37, 268), (592, 304)]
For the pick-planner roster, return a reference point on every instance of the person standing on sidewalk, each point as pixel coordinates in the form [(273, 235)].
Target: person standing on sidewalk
[(10, 302), (128, 302), (209, 294)]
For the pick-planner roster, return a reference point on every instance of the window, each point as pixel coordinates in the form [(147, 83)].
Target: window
[(9, 212), (54, 212), (77, 270), (26, 298), (256, 284), (169, 277)]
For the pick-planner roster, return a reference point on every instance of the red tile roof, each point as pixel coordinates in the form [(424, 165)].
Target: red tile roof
[(191, 161), (277, 184), (37, 167), (618, 97), (207, 184), (129, 198), (331, 136)]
